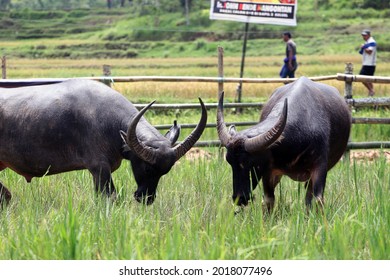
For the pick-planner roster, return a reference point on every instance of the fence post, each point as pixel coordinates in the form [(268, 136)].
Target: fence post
[(348, 81), (4, 67), (348, 95), (107, 73)]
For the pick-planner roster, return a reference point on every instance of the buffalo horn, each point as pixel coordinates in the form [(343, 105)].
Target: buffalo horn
[(144, 152), (191, 139), (223, 133), (266, 139)]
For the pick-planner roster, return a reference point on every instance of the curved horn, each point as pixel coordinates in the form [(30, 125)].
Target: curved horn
[(191, 139), (223, 133), (140, 149), (264, 140)]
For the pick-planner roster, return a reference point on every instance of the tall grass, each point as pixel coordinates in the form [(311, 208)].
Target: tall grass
[(59, 217)]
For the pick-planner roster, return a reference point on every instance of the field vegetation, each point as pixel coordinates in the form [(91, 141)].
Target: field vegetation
[(60, 217), (85, 29)]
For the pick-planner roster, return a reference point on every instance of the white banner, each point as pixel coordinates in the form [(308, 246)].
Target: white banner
[(278, 12)]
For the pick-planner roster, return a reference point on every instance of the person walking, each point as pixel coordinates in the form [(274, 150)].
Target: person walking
[(290, 61), (368, 52)]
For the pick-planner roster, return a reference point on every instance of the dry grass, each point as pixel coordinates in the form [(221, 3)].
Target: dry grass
[(255, 67)]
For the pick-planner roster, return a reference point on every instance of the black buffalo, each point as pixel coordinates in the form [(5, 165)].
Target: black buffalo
[(302, 133), (84, 124)]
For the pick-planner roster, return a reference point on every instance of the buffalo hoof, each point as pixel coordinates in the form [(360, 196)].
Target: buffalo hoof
[(240, 200), (268, 204), (145, 199)]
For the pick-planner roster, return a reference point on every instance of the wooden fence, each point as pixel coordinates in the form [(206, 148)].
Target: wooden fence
[(348, 78)]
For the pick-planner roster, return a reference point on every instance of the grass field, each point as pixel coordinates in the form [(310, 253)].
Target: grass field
[(60, 217)]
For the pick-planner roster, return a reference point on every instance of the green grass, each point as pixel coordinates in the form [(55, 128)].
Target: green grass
[(128, 33), (59, 217)]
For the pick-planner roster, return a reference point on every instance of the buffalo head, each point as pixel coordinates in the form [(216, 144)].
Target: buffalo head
[(154, 156), (246, 150)]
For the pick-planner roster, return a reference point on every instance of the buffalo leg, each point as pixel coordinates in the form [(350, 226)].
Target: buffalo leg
[(316, 186), (269, 184), (319, 181), (309, 194), (5, 195), (103, 181)]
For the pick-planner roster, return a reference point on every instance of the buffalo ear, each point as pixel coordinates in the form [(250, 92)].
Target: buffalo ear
[(232, 130), (123, 135), (173, 133)]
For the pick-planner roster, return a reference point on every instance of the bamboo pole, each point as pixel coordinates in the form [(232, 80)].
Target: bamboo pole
[(239, 86), (368, 145), (209, 125), (363, 78), (107, 74), (370, 101), (197, 106), (131, 79), (371, 120), (4, 67), (251, 123), (219, 79), (350, 146), (348, 82)]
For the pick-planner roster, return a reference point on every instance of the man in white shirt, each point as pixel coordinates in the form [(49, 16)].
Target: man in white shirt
[(368, 51)]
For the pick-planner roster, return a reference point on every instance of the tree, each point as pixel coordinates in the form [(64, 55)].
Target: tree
[(376, 4), (185, 3), (123, 2), (354, 4)]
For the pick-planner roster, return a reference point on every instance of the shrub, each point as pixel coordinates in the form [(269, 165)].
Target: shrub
[(131, 53)]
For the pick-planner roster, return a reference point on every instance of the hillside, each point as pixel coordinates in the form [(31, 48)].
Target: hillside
[(127, 32)]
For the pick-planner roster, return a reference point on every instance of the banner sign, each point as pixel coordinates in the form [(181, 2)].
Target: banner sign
[(279, 12)]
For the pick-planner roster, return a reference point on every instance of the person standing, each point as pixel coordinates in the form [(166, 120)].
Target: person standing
[(368, 52), (290, 62)]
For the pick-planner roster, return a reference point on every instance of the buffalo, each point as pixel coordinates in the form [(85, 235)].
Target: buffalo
[(84, 124), (302, 133)]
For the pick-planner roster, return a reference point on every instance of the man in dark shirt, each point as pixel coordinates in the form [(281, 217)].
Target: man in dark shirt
[(290, 62)]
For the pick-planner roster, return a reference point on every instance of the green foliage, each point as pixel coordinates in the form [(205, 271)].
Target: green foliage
[(355, 4), (320, 29)]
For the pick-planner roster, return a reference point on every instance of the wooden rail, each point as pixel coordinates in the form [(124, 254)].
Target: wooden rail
[(251, 123), (348, 78), (133, 79), (350, 146)]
